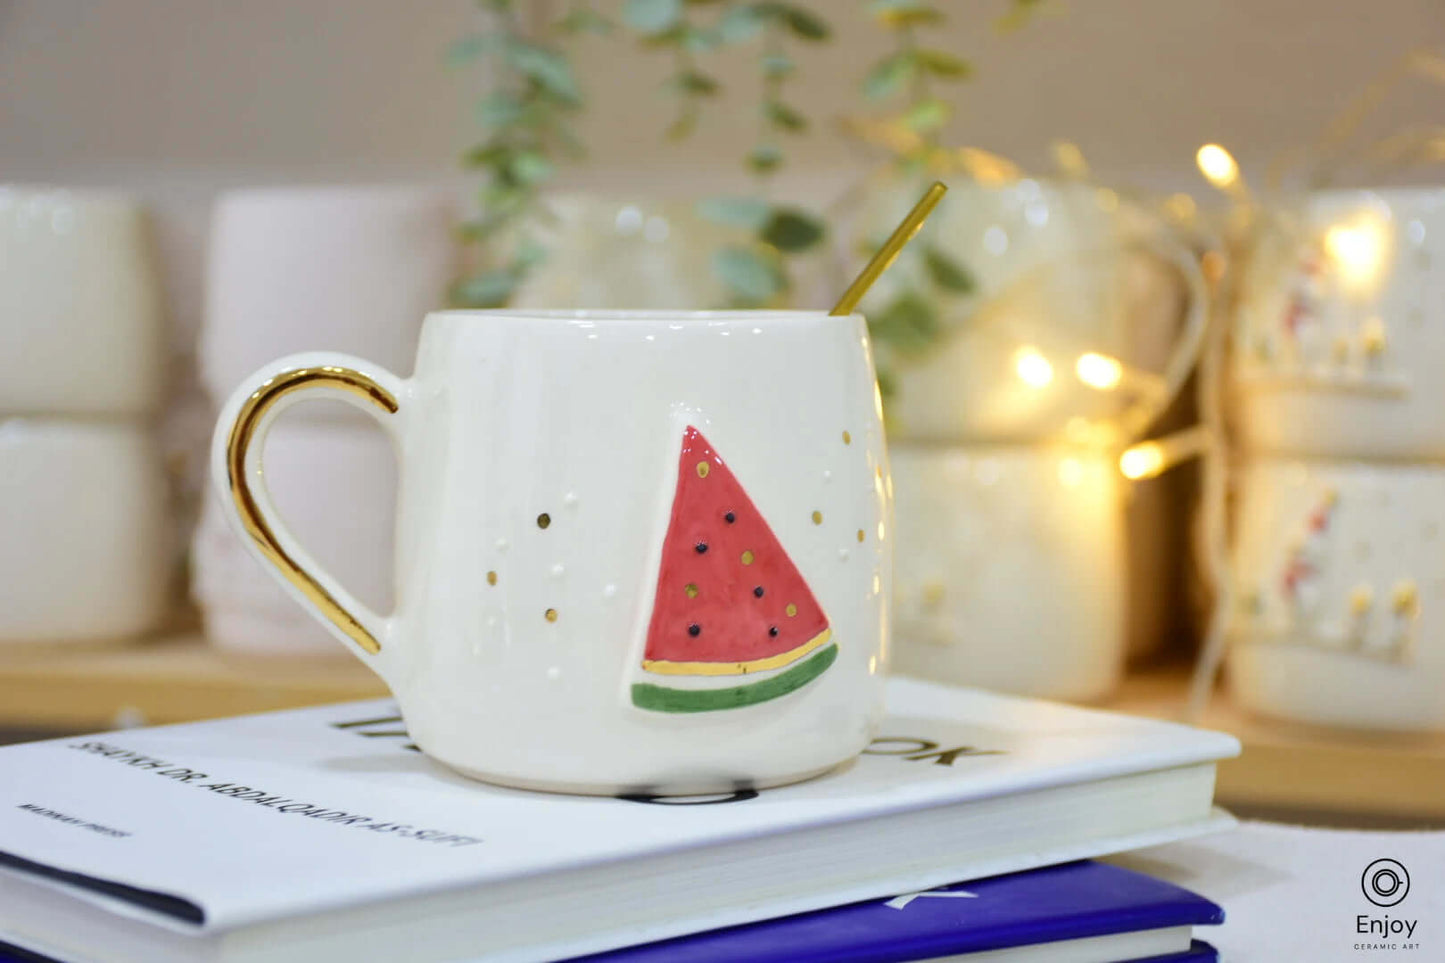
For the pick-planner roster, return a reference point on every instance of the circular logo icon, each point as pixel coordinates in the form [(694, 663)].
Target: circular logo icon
[(1385, 882)]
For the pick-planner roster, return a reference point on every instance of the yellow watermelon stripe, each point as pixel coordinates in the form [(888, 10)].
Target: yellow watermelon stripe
[(658, 698), (664, 667)]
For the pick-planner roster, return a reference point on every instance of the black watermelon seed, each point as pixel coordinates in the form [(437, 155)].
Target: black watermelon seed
[(758, 591), (730, 518), (773, 630), (701, 547), (694, 629)]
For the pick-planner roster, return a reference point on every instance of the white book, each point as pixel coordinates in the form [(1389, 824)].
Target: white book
[(322, 834)]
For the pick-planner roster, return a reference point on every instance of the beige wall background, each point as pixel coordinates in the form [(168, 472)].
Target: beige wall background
[(177, 99)]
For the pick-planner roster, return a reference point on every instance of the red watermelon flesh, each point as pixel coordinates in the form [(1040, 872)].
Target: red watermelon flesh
[(729, 600)]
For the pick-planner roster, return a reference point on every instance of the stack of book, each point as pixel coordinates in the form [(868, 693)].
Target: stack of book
[(323, 834)]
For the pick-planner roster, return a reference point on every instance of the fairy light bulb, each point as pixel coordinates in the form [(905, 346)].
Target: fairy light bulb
[(1358, 249), (1142, 461), (1099, 371), (1218, 166), (1032, 367)]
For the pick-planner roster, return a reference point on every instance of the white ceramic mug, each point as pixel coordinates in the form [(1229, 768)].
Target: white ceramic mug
[(335, 484), (1340, 337), (337, 268), (84, 547), (80, 319), (1010, 568), (640, 551), (1086, 316), (1340, 570)]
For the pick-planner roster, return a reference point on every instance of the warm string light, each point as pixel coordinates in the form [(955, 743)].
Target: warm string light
[(1218, 166), (1150, 458), (1358, 249), (1032, 368), (1099, 371)]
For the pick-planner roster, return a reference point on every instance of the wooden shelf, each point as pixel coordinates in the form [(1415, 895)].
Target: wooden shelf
[(172, 680), (1285, 767)]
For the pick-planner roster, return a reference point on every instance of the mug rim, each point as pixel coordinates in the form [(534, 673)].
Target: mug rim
[(638, 315)]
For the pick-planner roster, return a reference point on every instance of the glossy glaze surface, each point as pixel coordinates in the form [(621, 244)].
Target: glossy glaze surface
[(1340, 571), (539, 456), (81, 330), (1339, 331)]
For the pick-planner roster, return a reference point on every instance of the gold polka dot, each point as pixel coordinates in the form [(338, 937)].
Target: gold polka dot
[(748, 557), (690, 589), (543, 520), (861, 536), (847, 438), (491, 578), (702, 469), (817, 518), (551, 615), (792, 610)]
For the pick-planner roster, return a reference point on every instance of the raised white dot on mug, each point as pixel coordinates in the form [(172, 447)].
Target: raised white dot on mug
[(502, 544), (554, 672), (843, 554), (827, 475), (570, 499), (609, 591), (558, 570)]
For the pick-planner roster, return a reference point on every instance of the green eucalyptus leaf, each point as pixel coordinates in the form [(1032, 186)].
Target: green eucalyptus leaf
[(740, 24), (943, 64), (585, 20), (550, 69), (489, 154), (927, 115), (696, 83), (948, 273), (905, 13), (652, 16), (529, 167), (499, 109), (792, 230), (803, 23), (889, 75), (784, 116), (748, 273), (777, 65), (749, 213), (765, 158), (908, 324), (702, 40), (491, 289)]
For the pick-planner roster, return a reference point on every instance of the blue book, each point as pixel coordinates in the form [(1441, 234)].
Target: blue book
[(1084, 912)]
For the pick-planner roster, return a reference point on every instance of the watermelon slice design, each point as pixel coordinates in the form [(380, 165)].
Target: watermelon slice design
[(729, 600)]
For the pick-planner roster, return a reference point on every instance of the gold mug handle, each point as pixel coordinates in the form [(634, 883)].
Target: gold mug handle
[(236, 463)]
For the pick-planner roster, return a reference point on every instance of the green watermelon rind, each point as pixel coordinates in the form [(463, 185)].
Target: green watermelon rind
[(659, 698)]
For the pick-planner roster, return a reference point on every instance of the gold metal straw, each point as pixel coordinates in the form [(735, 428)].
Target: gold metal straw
[(889, 251)]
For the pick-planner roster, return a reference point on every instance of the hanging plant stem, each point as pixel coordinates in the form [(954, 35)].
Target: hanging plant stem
[(525, 119)]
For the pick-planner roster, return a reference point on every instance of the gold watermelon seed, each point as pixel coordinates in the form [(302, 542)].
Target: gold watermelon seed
[(690, 589)]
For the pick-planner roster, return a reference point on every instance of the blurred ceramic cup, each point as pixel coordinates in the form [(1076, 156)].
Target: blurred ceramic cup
[(1082, 317), (335, 484), (80, 323), (341, 268), (625, 252), (83, 544), (1340, 330), (1340, 569), (1009, 570)]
